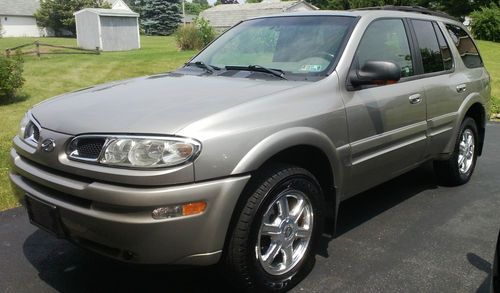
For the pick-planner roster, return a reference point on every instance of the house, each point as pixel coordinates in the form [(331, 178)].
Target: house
[(224, 16), (189, 18), (18, 20), (118, 4), (115, 29)]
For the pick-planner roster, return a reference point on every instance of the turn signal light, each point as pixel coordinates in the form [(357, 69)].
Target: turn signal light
[(173, 211)]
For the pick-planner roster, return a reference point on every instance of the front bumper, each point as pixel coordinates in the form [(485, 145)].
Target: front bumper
[(115, 220)]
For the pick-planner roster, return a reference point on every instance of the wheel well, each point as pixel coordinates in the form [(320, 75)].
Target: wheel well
[(477, 112), (315, 161), (311, 159)]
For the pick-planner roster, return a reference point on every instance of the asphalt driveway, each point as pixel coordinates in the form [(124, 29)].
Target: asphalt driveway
[(408, 235)]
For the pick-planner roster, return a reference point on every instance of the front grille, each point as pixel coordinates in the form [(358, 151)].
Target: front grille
[(86, 148), (32, 133)]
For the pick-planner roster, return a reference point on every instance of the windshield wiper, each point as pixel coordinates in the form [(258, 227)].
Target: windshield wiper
[(200, 64), (276, 72)]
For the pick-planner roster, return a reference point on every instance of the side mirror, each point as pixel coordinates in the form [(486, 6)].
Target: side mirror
[(376, 72)]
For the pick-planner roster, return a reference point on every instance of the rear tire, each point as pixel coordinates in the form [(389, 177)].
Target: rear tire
[(272, 244), (458, 169)]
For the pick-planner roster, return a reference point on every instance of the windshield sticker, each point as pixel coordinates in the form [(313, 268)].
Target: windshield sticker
[(311, 68)]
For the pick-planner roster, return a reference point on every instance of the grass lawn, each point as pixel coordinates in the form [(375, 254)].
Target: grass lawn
[(55, 74), (490, 52)]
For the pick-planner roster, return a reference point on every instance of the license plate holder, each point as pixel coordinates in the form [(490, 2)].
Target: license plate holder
[(45, 216)]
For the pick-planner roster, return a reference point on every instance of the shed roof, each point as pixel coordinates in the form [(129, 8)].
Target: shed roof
[(19, 7), (226, 15), (109, 12)]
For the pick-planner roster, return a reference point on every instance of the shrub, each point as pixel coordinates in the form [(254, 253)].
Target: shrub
[(207, 32), (486, 23), (188, 37), (11, 76), (194, 36)]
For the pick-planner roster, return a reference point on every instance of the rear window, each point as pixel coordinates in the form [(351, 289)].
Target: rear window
[(465, 46)]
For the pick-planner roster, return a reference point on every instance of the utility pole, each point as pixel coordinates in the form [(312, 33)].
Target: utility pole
[(184, 12)]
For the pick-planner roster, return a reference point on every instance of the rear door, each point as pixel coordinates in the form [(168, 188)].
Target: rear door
[(387, 126), (450, 71), (442, 81)]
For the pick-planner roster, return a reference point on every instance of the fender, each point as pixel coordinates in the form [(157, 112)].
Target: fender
[(464, 107), (291, 137)]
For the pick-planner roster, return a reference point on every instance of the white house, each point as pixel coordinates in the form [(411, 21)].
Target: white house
[(224, 16), (18, 20)]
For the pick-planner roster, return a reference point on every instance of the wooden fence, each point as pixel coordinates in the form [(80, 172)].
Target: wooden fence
[(38, 52)]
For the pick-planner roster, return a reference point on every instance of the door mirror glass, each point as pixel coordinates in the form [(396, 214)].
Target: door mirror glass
[(376, 72)]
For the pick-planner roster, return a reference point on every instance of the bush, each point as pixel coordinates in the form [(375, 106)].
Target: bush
[(486, 23), (207, 32), (194, 36), (11, 76), (188, 37)]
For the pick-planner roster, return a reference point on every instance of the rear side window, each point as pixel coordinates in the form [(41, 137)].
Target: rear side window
[(430, 50), (445, 49), (465, 46)]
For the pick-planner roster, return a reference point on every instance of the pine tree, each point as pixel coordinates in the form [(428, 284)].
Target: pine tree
[(161, 17)]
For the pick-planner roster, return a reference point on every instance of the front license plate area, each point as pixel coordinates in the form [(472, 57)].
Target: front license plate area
[(44, 215)]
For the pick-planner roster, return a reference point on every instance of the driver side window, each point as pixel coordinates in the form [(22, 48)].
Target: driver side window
[(386, 40)]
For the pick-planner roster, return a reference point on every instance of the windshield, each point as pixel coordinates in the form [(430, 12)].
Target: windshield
[(296, 45)]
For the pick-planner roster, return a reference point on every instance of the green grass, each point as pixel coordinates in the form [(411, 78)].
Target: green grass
[(55, 74), (490, 52)]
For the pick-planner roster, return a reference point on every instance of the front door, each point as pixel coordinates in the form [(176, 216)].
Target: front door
[(387, 122)]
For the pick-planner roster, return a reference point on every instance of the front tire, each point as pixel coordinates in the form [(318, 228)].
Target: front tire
[(272, 244), (458, 169)]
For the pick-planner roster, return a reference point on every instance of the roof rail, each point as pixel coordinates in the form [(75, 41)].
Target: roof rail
[(416, 9)]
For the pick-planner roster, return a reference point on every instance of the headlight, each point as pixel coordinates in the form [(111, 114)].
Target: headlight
[(135, 152), (22, 126), (28, 131)]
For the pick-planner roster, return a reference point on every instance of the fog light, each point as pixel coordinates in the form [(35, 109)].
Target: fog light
[(187, 209)]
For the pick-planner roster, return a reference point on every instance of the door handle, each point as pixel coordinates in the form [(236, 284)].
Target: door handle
[(461, 88), (415, 99)]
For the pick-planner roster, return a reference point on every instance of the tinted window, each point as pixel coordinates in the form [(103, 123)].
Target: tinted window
[(428, 45), (465, 46), (386, 40), (445, 49)]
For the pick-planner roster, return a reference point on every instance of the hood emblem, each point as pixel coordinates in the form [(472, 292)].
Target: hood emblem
[(48, 145)]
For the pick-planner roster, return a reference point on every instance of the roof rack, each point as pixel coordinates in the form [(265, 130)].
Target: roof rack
[(415, 9)]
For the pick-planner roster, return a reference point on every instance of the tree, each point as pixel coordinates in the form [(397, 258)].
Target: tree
[(161, 17), (486, 23), (457, 8), (226, 2), (58, 14), (195, 8)]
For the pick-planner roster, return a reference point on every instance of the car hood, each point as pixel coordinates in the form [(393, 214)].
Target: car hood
[(161, 104)]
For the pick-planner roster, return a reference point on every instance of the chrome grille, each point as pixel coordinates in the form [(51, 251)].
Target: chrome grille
[(86, 148), (32, 133)]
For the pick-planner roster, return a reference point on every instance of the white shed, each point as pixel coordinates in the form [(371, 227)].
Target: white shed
[(108, 29)]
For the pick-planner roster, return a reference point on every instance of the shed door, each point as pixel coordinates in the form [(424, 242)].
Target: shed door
[(119, 33)]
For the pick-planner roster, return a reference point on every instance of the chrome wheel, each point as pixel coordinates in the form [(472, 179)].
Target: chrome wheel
[(285, 232), (466, 151)]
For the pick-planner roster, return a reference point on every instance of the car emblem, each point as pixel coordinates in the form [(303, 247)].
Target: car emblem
[(48, 145)]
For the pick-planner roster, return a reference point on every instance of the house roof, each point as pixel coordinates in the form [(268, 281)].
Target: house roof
[(109, 12), (19, 7), (118, 4), (226, 15)]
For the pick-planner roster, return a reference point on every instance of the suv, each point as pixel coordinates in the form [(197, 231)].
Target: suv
[(242, 155)]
